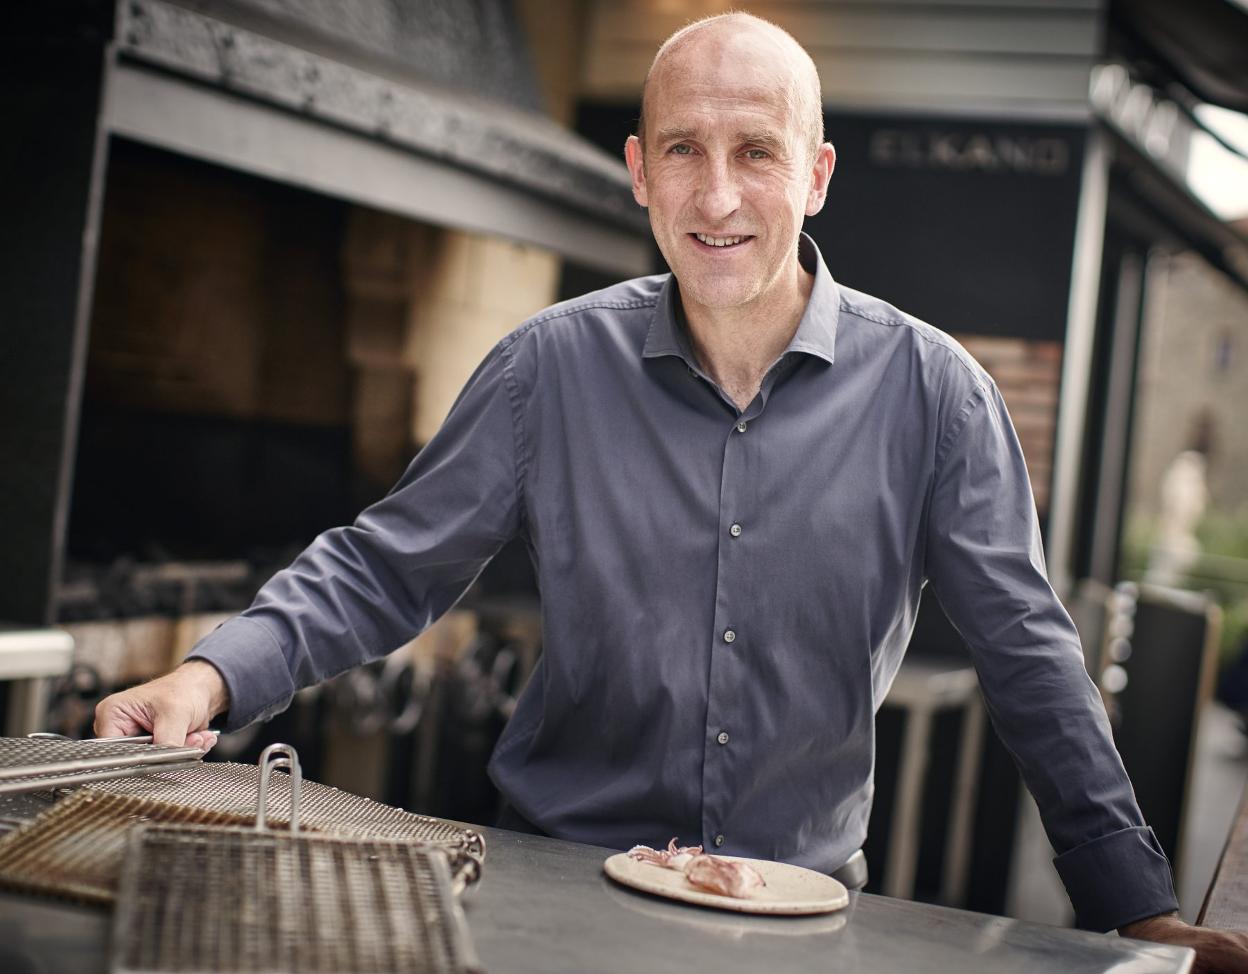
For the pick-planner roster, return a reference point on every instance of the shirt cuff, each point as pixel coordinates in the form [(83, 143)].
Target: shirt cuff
[(253, 667), (1117, 879)]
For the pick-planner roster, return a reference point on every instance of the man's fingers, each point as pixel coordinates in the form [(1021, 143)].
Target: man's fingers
[(1217, 951), (204, 740), (112, 720), (171, 726)]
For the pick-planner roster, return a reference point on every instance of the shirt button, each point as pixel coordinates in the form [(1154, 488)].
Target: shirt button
[(735, 530), (719, 840), (729, 635), (723, 737), (742, 426)]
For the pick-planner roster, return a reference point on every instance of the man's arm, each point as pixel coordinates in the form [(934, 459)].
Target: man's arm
[(986, 565), (357, 592)]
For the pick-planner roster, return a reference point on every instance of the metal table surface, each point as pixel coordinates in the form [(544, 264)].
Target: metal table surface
[(545, 906)]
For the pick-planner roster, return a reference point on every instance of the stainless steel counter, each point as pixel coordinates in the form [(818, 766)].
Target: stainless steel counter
[(545, 906)]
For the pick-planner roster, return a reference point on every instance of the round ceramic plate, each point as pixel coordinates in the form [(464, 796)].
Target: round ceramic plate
[(790, 890)]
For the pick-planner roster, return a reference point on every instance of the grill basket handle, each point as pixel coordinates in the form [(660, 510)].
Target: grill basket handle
[(281, 757)]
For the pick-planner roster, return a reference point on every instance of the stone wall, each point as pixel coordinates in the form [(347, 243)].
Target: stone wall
[(1193, 381)]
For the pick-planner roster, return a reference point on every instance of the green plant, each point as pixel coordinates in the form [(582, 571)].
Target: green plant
[(1221, 568)]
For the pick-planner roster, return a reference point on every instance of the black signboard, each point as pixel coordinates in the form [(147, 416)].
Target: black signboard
[(968, 224)]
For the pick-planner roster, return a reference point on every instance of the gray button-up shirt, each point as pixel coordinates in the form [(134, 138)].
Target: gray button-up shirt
[(700, 679)]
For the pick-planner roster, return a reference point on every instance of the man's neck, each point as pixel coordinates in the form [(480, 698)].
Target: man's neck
[(736, 346)]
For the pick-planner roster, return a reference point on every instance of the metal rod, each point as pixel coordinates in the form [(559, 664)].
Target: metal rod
[(86, 777), (160, 757), (136, 739)]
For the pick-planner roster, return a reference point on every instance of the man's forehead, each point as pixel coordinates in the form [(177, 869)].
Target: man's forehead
[(689, 108), (696, 97)]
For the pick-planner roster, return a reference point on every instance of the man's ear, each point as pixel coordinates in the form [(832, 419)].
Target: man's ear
[(820, 176), (633, 158)]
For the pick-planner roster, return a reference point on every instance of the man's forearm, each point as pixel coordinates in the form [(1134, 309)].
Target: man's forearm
[(1140, 928)]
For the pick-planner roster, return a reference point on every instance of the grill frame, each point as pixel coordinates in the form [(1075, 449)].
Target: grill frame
[(41, 763), (231, 788)]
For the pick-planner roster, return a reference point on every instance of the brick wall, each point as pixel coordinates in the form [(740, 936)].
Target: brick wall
[(216, 294), (1028, 374), (264, 361)]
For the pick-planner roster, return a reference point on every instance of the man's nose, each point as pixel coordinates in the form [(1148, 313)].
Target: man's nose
[(719, 196)]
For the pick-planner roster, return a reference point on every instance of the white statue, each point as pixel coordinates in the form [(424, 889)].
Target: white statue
[(1184, 496)]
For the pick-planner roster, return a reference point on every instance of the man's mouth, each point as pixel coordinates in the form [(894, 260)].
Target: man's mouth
[(727, 241)]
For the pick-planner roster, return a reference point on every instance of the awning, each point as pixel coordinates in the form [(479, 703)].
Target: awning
[(1203, 44)]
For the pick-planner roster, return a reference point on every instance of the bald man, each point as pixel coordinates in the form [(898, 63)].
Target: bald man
[(734, 481)]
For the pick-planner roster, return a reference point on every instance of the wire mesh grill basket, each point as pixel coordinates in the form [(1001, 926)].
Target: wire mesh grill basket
[(210, 899), (75, 847), (231, 788)]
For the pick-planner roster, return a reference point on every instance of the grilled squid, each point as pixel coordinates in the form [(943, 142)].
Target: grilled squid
[(711, 873)]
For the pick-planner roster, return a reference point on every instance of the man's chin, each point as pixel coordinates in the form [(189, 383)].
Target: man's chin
[(713, 294)]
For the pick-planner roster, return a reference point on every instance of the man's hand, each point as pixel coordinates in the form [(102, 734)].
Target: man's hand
[(174, 709), (1217, 951)]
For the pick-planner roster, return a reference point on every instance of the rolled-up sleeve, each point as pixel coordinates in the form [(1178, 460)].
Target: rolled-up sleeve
[(985, 563), (358, 592)]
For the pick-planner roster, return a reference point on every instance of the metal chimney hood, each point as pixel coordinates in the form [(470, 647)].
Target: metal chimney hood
[(224, 83)]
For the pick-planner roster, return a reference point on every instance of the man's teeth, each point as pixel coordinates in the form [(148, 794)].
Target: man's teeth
[(719, 241)]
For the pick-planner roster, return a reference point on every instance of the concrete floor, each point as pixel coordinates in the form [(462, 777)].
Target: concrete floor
[(1218, 782)]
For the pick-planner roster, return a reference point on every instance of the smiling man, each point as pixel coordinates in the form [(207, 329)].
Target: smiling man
[(729, 159), (734, 482)]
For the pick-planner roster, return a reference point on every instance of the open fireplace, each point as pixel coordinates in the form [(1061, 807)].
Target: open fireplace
[(263, 246)]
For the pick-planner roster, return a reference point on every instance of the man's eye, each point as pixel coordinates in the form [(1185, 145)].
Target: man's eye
[(681, 149), (757, 154)]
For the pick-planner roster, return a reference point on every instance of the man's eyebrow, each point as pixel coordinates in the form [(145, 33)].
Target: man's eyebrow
[(675, 134), (764, 140), (758, 137)]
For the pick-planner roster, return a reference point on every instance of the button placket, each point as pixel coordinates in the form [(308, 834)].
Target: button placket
[(718, 775)]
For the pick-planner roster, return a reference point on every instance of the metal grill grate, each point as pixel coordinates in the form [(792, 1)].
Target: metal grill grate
[(75, 848), (231, 788), (18, 808), (228, 899), (35, 764)]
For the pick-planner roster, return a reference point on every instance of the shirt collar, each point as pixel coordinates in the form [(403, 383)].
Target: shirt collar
[(815, 335)]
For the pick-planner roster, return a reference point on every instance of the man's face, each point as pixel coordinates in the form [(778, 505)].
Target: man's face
[(727, 172)]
